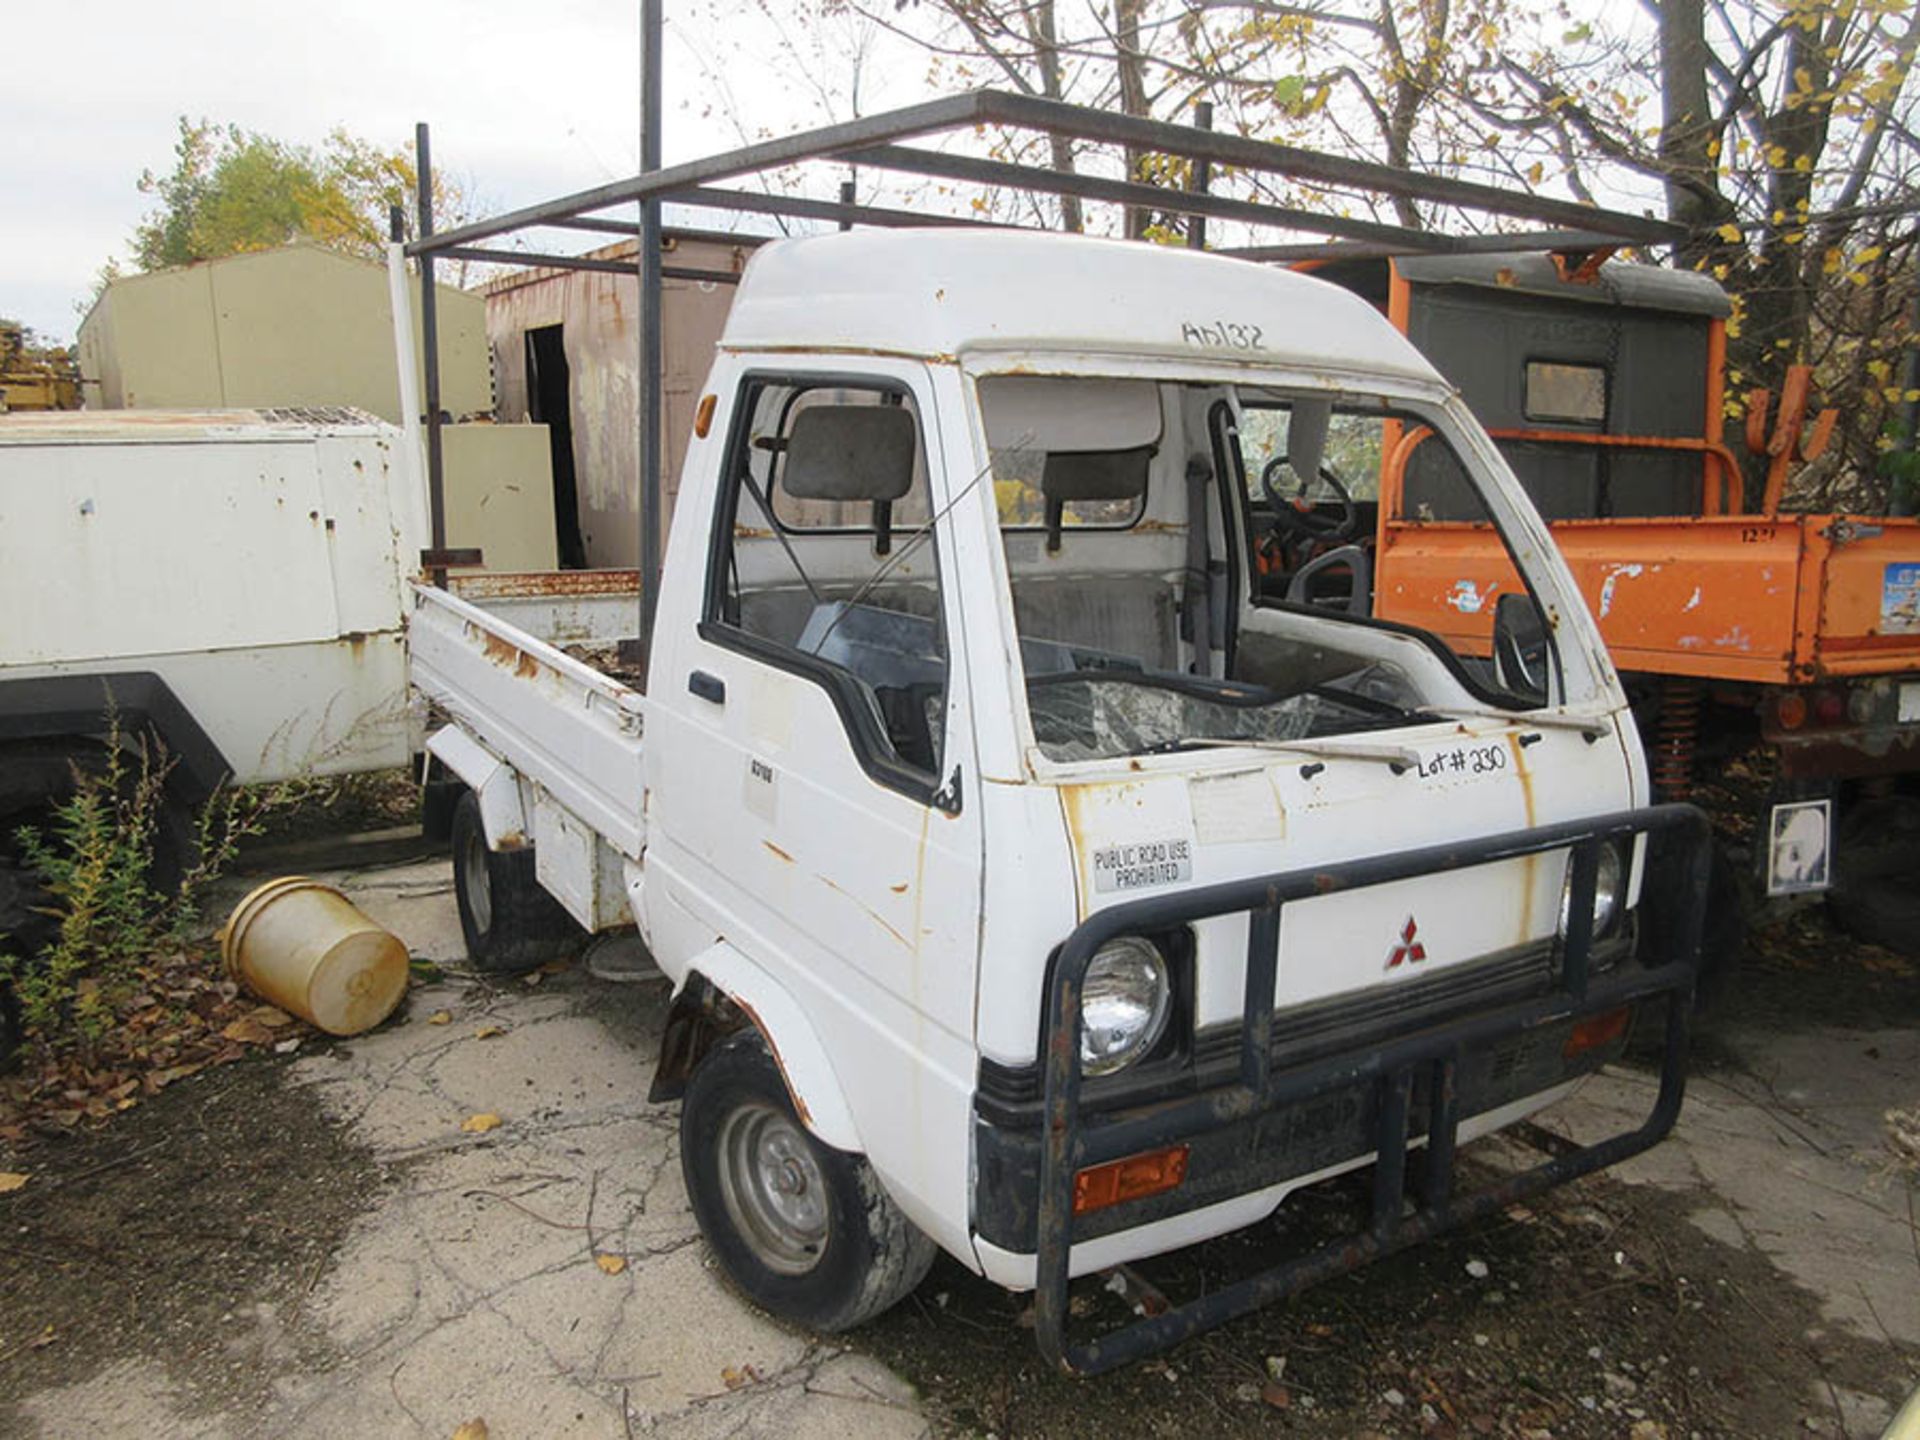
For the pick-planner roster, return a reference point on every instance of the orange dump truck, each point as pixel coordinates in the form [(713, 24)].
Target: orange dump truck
[(1603, 386)]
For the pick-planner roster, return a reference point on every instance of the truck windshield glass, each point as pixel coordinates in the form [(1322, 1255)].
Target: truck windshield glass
[(1238, 604)]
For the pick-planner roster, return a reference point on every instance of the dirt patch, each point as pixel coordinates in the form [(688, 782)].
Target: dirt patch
[(189, 1230), (1597, 1309)]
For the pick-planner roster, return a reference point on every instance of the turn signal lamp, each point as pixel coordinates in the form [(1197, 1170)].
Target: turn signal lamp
[(1596, 1031), (1133, 1178), (1829, 708), (1791, 710), (703, 415)]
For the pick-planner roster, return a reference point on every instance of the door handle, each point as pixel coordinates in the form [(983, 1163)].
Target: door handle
[(708, 687)]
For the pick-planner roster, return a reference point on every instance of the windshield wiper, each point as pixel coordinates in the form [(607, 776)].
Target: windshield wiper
[(1542, 720), (1333, 748)]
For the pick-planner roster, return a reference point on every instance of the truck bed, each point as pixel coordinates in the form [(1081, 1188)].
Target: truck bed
[(491, 654), (1775, 600)]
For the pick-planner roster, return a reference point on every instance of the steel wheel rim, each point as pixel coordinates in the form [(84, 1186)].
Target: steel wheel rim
[(476, 882), (774, 1190)]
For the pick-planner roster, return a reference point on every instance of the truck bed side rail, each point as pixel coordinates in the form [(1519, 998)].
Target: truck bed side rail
[(1391, 1069)]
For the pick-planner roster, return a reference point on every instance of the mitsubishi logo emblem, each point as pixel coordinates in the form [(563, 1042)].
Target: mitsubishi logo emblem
[(1409, 951)]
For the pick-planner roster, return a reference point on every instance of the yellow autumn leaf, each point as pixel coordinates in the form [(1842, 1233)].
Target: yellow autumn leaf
[(487, 1032), (1730, 233), (474, 1429), (611, 1264), (480, 1124), (440, 1017), (11, 1180)]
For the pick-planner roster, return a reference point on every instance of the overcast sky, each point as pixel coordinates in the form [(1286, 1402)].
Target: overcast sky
[(525, 102)]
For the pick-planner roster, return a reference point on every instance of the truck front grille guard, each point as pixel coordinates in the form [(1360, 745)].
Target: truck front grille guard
[(1071, 1145)]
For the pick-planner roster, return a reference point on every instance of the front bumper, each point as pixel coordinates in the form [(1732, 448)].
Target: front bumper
[(1277, 1120)]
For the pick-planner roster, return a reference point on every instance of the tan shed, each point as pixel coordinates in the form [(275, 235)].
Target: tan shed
[(295, 326)]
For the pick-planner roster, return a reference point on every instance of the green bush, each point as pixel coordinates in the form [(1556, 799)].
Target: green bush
[(96, 859)]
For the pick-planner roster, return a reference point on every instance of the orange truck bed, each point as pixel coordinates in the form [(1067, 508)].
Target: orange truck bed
[(1786, 600)]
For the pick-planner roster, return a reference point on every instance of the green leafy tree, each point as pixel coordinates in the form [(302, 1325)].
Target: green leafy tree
[(232, 190)]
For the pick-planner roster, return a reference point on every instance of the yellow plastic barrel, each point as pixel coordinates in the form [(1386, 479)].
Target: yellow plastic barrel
[(303, 946)]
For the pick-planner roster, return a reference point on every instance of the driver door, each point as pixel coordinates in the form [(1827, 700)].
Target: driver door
[(821, 812)]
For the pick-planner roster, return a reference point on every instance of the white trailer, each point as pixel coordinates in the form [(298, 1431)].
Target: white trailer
[(244, 571)]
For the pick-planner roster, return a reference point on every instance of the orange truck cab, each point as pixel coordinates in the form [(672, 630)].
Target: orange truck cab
[(1602, 383)]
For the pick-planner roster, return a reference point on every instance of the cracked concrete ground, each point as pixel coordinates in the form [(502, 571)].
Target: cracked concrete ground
[(1784, 1149), (480, 1284), (544, 1274)]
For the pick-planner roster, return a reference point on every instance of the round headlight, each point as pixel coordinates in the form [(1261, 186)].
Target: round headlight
[(1123, 1005), (1608, 884)]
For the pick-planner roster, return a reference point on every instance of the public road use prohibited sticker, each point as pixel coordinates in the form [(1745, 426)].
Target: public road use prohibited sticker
[(1142, 864)]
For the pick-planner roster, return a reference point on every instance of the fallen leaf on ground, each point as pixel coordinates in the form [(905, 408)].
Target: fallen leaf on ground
[(271, 1016), (533, 978), (487, 1032), (733, 1379), (1278, 1396), (440, 1017), (248, 1031), (556, 967), (11, 1180), (474, 1429), (612, 1264), (480, 1124), (42, 1340)]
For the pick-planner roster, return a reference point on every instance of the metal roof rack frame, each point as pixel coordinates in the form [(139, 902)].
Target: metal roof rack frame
[(876, 142)]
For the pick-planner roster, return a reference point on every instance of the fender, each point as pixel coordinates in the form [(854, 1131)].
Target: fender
[(490, 778), (51, 706), (796, 1046)]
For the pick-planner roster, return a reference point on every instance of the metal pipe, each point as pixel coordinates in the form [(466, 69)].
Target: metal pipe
[(430, 347), (847, 194), (585, 262), (799, 207), (1199, 177), (1510, 242), (1059, 117), (1130, 192), (993, 107), (650, 406), (406, 361), (934, 115)]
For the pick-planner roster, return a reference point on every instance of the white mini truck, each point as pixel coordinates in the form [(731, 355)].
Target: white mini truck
[(1031, 887)]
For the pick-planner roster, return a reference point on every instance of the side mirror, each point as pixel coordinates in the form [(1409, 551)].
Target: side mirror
[(1521, 665)]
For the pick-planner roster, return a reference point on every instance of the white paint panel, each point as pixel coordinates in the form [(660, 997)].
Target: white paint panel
[(157, 548)]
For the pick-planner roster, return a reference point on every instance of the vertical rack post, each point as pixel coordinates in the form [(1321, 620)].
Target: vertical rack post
[(1199, 177), (848, 194), (430, 346), (649, 417)]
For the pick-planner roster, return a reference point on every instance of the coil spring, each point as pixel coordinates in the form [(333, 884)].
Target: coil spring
[(1676, 740)]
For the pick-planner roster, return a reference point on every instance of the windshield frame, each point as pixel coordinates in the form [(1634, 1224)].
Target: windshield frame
[(1585, 683)]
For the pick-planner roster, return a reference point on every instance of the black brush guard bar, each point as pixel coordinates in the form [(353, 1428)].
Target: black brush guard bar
[(1071, 1144)]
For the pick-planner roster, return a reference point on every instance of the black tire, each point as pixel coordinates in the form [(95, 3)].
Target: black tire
[(1876, 873), (509, 921), (829, 1254), (438, 797)]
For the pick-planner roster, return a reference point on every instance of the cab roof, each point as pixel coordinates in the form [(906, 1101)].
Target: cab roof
[(941, 293)]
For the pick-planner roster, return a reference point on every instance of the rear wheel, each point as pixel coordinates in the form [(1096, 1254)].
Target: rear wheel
[(801, 1228), (509, 921)]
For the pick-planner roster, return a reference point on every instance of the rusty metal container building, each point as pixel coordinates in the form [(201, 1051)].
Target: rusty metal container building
[(566, 353)]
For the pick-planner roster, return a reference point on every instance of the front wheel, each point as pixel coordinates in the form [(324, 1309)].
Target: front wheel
[(803, 1229), (510, 922)]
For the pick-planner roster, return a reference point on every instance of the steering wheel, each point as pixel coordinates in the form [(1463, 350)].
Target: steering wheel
[(1297, 513)]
